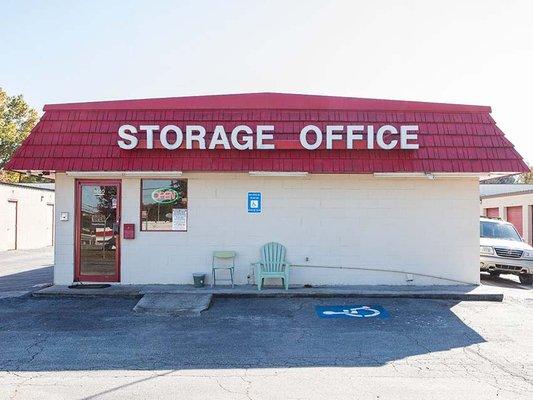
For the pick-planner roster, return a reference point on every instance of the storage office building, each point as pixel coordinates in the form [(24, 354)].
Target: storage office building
[(359, 191)]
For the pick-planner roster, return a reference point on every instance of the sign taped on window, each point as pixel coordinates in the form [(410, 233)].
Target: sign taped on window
[(179, 219)]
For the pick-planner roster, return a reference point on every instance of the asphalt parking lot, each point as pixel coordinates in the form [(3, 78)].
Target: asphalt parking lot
[(266, 349), (24, 271)]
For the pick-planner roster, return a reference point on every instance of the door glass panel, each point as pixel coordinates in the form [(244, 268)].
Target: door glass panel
[(98, 238)]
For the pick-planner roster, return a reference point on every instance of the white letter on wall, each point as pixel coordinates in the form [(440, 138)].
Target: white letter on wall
[(164, 140), (261, 135), (149, 134), (199, 136), (331, 135), (405, 136), (303, 137), (125, 132), (351, 135), (248, 141), (219, 137), (381, 132)]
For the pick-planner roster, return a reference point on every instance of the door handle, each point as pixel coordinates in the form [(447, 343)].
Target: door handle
[(116, 228)]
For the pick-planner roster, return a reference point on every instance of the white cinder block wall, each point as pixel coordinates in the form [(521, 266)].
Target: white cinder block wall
[(416, 225), (64, 245), (35, 211)]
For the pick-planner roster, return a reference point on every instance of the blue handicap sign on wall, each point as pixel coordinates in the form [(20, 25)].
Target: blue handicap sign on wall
[(254, 202), (357, 311)]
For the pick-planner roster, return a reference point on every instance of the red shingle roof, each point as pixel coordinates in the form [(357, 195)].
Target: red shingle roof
[(83, 136)]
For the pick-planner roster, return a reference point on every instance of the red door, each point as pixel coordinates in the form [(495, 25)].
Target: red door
[(514, 216), (97, 251), (492, 212)]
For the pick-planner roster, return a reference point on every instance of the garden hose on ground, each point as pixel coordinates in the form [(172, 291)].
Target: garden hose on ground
[(397, 271)]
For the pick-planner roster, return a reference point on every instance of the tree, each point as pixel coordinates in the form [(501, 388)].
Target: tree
[(509, 179), (526, 177), (17, 119)]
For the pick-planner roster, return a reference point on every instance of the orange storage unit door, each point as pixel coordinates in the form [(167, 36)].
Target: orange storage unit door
[(492, 212), (514, 216)]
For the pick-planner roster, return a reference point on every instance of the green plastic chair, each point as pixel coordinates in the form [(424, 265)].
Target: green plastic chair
[(223, 260), (272, 264)]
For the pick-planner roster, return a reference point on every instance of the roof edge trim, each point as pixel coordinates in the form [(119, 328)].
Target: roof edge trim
[(269, 101)]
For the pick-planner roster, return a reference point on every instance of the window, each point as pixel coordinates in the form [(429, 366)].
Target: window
[(164, 205), (499, 230)]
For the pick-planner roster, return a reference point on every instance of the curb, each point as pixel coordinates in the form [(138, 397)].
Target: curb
[(495, 297), (88, 295)]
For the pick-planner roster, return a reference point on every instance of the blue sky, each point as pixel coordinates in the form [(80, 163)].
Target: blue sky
[(475, 52)]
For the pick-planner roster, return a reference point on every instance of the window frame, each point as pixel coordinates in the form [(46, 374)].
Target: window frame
[(141, 205)]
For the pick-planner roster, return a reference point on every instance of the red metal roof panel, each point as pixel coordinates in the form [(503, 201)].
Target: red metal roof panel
[(452, 138)]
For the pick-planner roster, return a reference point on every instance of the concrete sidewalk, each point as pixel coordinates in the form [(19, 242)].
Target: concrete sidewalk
[(450, 292), (173, 304)]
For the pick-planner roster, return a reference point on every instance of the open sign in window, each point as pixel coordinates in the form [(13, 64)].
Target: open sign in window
[(164, 205)]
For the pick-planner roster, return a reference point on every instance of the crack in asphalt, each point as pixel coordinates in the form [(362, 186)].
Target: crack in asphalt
[(477, 352)]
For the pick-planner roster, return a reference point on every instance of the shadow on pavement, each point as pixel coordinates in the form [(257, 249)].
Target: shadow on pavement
[(507, 281), (26, 280), (105, 334)]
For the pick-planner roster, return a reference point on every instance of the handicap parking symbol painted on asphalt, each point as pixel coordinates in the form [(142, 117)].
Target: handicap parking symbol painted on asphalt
[(352, 312)]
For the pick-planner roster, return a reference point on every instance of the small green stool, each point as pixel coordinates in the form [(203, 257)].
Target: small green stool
[(223, 260)]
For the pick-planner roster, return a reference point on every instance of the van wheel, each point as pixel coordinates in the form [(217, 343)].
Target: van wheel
[(494, 273), (526, 279)]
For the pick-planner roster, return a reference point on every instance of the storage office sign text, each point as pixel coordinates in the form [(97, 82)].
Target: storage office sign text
[(243, 137)]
